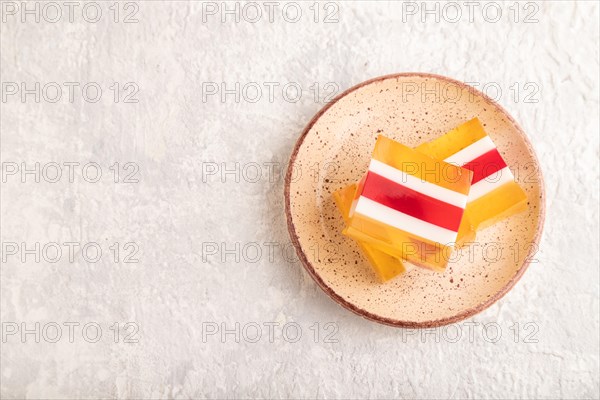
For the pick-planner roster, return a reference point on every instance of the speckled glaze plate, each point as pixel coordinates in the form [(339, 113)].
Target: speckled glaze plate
[(334, 150)]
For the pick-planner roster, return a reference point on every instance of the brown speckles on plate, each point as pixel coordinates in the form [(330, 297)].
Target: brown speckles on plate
[(334, 150)]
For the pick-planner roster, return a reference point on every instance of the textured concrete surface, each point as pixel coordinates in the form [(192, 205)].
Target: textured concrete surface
[(181, 221)]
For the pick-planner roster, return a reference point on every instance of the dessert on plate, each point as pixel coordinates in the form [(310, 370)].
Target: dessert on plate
[(414, 206)]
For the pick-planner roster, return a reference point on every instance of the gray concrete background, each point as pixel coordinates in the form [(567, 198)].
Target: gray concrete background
[(188, 252)]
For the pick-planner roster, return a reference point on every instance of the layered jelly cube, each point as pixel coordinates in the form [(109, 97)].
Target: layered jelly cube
[(415, 204), (494, 193), (409, 205)]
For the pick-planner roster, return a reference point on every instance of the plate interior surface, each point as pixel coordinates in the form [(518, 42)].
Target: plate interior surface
[(334, 151)]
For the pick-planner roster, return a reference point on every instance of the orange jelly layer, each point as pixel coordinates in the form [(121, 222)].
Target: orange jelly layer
[(454, 141), (422, 165), (509, 199), (398, 243), (384, 265)]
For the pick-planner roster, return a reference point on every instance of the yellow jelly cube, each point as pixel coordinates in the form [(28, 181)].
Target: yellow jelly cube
[(385, 266)]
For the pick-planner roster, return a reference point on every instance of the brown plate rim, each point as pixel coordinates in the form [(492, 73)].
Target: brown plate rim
[(360, 311)]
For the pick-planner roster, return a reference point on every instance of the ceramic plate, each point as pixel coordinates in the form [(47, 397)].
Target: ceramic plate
[(334, 150)]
